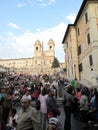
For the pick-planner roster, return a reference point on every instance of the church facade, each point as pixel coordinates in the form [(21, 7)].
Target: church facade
[(40, 63)]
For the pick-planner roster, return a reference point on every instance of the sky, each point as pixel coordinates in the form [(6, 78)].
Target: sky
[(23, 22)]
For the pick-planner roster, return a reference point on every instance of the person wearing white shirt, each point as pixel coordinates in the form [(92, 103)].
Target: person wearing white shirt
[(43, 107), (27, 95)]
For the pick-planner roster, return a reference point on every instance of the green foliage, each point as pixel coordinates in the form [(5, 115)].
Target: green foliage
[(55, 63)]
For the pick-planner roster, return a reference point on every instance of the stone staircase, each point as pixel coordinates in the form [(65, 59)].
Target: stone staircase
[(59, 101)]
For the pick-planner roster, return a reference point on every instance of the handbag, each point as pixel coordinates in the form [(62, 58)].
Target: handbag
[(50, 114)]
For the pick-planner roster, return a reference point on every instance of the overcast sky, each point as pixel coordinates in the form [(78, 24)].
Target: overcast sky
[(23, 22)]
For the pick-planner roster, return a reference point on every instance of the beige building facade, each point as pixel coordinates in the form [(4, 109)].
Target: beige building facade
[(40, 63), (81, 44)]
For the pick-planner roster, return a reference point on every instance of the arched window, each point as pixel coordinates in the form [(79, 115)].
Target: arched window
[(36, 48), (50, 47)]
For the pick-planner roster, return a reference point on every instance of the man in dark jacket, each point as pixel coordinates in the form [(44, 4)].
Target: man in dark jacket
[(52, 106), (68, 100)]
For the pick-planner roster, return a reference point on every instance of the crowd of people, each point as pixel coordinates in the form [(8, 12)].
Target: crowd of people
[(18, 91), (82, 103)]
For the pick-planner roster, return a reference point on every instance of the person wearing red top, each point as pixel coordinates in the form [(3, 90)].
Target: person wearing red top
[(78, 93)]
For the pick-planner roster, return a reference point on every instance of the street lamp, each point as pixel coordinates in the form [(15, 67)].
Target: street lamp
[(75, 72)]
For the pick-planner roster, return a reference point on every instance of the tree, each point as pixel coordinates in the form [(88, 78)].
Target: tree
[(55, 63)]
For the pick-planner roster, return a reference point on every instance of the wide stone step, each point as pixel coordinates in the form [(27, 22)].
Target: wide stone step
[(59, 101)]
